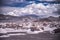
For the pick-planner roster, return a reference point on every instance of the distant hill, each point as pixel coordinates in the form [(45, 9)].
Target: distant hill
[(18, 18), (6, 17), (51, 18), (28, 18)]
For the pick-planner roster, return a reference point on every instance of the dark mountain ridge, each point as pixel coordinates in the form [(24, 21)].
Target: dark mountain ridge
[(28, 17)]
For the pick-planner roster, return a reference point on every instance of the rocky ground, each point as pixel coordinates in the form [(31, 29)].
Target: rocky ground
[(40, 36)]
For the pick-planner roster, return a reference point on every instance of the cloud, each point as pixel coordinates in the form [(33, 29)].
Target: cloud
[(38, 9), (15, 3), (46, 0), (23, 3)]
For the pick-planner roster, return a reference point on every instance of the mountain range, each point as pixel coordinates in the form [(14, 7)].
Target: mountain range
[(28, 18)]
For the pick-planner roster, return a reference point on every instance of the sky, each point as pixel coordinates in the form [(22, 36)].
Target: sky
[(21, 2), (23, 7)]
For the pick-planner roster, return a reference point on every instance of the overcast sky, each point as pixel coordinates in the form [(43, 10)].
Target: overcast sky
[(20, 7)]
